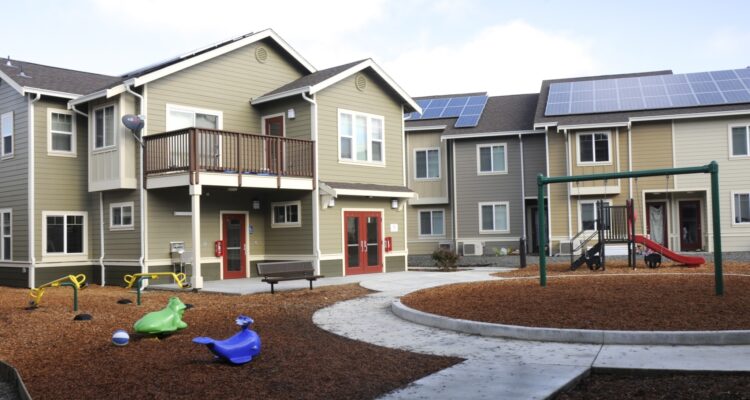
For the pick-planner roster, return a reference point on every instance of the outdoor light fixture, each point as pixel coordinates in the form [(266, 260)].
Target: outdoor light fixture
[(291, 114), (331, 202), (256, 204), (394, 203)]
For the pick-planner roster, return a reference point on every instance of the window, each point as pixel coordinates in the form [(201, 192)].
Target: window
[(593, 147), (491, 159), (61, 125), (740, 141), (186, 117), (121, 216), (361, 137), (588, 214), (493, 217), (6, 128), (286, 214), (741, 208), (104, 127), (427, 164), (209, 147), (431, 223), (65, 233), (5, 234)]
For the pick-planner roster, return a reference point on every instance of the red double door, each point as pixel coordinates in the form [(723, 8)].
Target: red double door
[(363, 242), (234, 231)]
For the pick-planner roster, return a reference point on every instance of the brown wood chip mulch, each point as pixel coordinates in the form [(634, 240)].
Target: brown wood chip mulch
[(599, 300), (59, 358)]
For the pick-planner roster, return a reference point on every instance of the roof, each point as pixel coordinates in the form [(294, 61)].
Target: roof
[(511, 113), (52, 79), (617, 118), (313, 79)]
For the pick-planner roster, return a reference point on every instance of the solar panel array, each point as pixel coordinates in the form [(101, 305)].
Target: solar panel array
[(649, 92), (468, 109)]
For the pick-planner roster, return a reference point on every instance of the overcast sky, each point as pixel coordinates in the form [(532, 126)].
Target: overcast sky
[(428, 47)]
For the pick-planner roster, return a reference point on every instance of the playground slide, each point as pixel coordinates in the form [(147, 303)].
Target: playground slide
[(690, 261)]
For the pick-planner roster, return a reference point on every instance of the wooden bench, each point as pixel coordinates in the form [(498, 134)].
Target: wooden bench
[(275, 272)]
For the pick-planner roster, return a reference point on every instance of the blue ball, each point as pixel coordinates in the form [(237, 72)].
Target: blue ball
[(120, 338)]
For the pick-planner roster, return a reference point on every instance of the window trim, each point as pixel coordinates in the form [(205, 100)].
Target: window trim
[(3, 154), (3, 236), (92, 118), (122, 227), (507, 216), (589, 163), (195, 110), (480, 146), (580, 209), (61, 153), (731, 144), (285, 204), (419, 223), (353, 160), (732, 203), (440, 167), (65, 214)]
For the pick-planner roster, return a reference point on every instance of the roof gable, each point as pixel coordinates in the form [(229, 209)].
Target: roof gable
[(26, 77)]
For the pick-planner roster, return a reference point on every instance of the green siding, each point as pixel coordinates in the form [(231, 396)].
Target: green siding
[(120, 244), (395, 264), (298, 128), (49, 274), (14, 277), (332, 222), (331, 268), (116, 273)]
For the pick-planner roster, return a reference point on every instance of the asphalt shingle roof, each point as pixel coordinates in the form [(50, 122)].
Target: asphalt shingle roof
[(55, 79), (314, 78)]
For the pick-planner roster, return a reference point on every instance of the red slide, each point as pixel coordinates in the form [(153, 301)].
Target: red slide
[(687, 260)]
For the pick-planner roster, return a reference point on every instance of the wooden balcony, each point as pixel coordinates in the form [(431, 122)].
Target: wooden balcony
[(220, 158)]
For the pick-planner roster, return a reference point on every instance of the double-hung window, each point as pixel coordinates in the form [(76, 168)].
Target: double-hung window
[(6, 129), (5, 234), (65, 233), (361, 137), (593, 148), (741, 209), (104, 127), (740, 141), (61, 132), (286, 214), (492, 158), (493, 217), (121, 216), (427, 163), (431, 223)]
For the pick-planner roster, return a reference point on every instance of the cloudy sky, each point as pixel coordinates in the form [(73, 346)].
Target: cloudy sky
[(428, 47)]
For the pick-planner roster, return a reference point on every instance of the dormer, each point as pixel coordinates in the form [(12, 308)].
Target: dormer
[(112, 147)]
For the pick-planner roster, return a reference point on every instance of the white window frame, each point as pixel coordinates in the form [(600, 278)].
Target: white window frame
[(65, 215), (594, 162), (61, 153), (3, 118), (596, 212), (121, 206), (507, 216), (195, 110), (504, 171), (419, 223), (114, 134), (427, 170), (732, 194), (286, 204), (368, 117), (3, 211), (731, 143)]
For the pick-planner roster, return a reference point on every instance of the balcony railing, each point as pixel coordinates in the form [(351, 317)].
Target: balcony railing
[(196, 150)]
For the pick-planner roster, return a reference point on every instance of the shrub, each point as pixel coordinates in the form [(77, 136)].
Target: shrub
[(445, 259)]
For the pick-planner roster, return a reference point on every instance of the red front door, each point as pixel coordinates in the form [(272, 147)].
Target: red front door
[(362, 237), (234, 261)]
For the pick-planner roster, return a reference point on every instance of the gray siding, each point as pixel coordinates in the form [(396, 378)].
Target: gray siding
[(120, 244), (535, 162), (395, 264), (14, 175), (48, 274), (331, 268), (14, 277)]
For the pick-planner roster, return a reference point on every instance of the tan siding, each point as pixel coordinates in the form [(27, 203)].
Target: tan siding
[(558, 193), (426, 245), (427, 188), (120, 244), (297, 128), (332, 222), (374, 100), (297, 240), (577, 169), (14, 171), (652, 149)]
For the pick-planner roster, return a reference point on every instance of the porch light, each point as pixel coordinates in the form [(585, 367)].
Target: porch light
[(256, 204), (394, 203), (331, 202), (291, 114)]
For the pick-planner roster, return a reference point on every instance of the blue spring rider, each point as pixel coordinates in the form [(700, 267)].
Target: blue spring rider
[(238, 349)]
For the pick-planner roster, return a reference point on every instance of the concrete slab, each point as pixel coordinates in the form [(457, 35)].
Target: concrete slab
[(675, 358)]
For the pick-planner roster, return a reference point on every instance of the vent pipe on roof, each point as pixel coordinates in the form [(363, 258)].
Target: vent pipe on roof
[(8, 63), (24, 75)]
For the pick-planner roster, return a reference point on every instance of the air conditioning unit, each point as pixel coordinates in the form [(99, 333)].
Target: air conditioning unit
[(472, 248), (566, 247), (445, 245)]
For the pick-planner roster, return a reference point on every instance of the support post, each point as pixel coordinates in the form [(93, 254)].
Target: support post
[(542, 229), (716, 216), (196, 280)]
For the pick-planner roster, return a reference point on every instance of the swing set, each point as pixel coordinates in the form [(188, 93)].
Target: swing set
[(605, 222)]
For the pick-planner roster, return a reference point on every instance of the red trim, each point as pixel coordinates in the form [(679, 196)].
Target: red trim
[(364, 243), (243, 241)]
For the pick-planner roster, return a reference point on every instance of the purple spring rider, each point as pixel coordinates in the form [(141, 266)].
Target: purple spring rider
[(238, 349)]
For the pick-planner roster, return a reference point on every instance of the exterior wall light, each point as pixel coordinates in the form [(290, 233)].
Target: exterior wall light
[(394, 203)]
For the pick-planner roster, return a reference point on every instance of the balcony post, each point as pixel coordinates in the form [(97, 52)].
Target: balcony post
[(196, 281)]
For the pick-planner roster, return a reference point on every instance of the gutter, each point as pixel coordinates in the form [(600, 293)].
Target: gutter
[(316, 192), (282, 95), (142, 258), (489, 134), (31, 189)]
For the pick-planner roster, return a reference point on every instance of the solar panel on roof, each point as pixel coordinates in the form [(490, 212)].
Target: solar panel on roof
[(468, 109), (649, 92)]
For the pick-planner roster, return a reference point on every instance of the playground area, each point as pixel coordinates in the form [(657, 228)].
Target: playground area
[(58, 357)]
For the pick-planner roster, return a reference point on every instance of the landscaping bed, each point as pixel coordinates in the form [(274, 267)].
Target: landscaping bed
[(59, 358)]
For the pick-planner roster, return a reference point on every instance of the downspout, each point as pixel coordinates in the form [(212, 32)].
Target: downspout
[(101, 237), (316, 190), (523, 195), (31, 133), (630, 159), (567, 172), (142, 258), (79, 112)]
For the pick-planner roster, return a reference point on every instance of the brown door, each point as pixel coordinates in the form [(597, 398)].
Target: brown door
[(274, 150), (234, 261), (690, 225), (657, 210), (362, 237)]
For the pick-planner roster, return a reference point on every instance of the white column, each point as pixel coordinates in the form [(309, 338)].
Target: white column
[(195, 202)]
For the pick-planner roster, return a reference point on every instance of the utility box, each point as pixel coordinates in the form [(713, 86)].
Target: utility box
[(179, 256)]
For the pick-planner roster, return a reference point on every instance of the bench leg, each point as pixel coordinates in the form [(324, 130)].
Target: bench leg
[(272, 288)]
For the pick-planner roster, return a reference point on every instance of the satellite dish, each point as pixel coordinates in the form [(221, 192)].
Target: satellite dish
[(132, 122)]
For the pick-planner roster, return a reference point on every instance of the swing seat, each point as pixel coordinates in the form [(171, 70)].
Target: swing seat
[(652, 260)]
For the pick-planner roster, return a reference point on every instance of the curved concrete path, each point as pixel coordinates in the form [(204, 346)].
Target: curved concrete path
[(497, 368)]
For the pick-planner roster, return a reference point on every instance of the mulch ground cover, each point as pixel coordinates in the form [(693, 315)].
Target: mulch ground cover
[(59, 358)]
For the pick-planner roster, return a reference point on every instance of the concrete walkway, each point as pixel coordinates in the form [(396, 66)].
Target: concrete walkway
[(497, 368)]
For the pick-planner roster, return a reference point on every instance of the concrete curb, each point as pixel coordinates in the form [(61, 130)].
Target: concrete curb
[(713, 338)]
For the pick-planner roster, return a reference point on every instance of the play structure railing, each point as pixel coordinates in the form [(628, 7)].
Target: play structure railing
[(614, 223), (137, 279), (74, 281)]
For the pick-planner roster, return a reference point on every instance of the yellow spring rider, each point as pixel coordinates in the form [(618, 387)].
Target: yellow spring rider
[(131, 280), (74, 281)]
